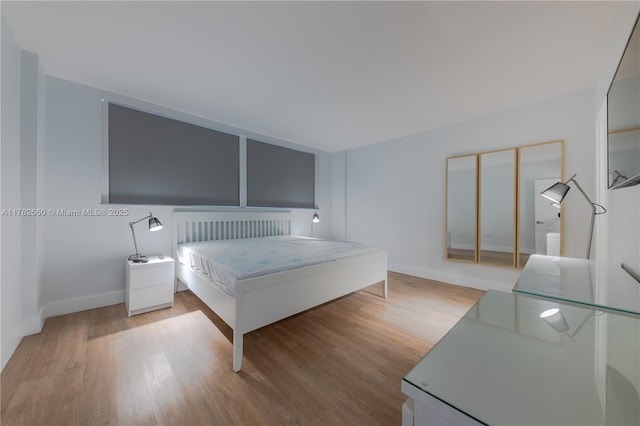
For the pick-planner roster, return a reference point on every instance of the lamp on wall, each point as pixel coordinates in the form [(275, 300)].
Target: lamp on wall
[(558, 191), (315, 219), (154, 225)]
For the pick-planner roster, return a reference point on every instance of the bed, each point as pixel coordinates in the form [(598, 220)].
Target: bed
[(256, 299)]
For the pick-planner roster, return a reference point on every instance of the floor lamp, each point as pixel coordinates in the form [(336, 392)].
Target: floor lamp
[(558, 191)]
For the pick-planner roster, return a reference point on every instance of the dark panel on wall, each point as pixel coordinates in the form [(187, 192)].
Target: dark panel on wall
[(279, 177), (158, 160)]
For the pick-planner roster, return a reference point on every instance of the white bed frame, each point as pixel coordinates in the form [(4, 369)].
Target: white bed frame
[(264, 300)]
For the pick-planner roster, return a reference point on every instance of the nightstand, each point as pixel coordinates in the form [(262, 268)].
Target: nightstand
[(150, 285)]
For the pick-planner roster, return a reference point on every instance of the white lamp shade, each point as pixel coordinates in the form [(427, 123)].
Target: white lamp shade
[(555, 319)]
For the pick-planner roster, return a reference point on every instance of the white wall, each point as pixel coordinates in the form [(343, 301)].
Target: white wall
[(395, 189), (11, 251), (31, 151), (83, 257), (338, 196)]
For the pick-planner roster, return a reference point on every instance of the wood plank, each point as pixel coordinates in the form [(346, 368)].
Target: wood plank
[(338, 363)]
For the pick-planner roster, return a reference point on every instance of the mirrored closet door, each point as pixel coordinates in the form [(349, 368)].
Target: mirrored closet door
[(461, 208), (497, 232), (540, 224), (495, 214)]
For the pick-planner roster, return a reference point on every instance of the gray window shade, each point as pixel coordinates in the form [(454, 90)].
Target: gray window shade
[(158, 160), (279, 177)]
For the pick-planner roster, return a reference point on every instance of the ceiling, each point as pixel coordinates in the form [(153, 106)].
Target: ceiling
[(327, 75)]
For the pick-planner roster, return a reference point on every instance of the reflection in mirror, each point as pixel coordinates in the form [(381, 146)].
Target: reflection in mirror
[(498, 207), (624, 157), (461, 208), (541, 165), (623, 116)]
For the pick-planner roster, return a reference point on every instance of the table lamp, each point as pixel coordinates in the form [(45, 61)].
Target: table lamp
[(154, 225)]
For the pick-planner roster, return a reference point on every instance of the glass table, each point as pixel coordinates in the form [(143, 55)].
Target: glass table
[(519, 360), (580, 281)]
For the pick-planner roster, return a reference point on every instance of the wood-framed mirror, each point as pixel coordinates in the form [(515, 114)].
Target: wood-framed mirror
[(497, 208), (540, 224), (461, 216), (623, 117), (494, 212)]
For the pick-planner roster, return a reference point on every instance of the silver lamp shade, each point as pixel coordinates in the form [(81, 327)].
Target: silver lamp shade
[(154, 224), (556, 193)]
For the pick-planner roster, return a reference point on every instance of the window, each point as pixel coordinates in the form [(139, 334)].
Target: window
[(279, 177), (159, 160)]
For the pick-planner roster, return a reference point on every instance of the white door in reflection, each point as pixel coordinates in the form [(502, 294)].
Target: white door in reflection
[(546, 216)]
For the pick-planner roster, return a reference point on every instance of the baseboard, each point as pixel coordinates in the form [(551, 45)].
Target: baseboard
[(10, 344), (457, 277), (462, 246), (502, 249), (34, 324), (494, 248), (180, 286), (69, 306)]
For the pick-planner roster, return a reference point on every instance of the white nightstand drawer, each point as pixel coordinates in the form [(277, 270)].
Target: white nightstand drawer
[(149, 285), (150, 296), (151, 275)]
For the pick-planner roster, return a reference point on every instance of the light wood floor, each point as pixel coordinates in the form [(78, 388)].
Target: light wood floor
[(340, 363)]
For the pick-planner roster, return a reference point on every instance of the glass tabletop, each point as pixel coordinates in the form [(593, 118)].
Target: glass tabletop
[(580, 281), (519, 360)]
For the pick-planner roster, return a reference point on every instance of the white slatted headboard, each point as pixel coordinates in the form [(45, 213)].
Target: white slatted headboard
[(210, 226)]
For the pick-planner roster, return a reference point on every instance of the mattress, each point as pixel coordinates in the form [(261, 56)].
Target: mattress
[(225, 262)]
